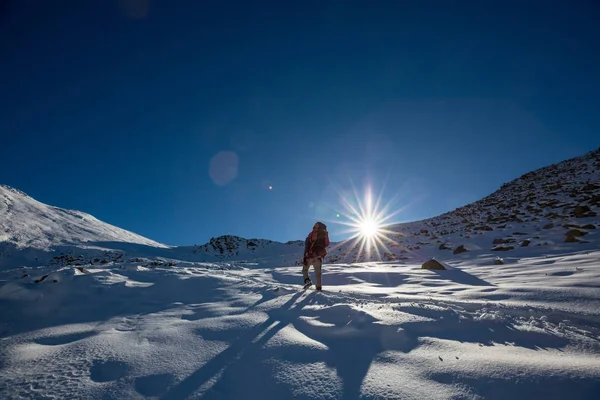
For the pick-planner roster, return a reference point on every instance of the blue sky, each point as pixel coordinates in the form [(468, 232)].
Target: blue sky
[(173, 121)]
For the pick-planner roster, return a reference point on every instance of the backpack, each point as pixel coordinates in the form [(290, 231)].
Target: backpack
[(318, 247)]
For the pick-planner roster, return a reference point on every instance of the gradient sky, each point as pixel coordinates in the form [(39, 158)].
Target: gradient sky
[(172, 119)]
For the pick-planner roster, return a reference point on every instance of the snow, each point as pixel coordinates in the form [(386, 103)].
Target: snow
[(378, 330), (88, 310)]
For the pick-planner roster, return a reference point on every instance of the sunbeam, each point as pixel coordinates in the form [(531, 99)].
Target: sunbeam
[(367, 222)]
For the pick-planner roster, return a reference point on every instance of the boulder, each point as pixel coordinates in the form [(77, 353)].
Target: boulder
[(460, 249), (573, 234), (433, 264), (571, 239), (581, 211), (590, 187), (503, 248), (504, 241)]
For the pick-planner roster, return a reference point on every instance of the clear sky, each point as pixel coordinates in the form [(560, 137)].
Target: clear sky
[(191, 119)]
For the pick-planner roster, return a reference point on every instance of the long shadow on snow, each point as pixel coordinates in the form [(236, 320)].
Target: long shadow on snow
[(87, 300), (447, 324), (353, 340), (203, 311), (242, 351), (551, 387), (335, 278), (460, 276)]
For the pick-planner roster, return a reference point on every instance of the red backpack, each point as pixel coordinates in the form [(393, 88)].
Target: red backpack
[(319, 245)]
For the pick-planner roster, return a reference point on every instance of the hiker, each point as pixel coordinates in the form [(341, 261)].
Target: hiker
[(314, 252)]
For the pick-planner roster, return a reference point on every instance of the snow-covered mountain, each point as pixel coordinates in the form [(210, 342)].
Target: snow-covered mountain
[(555, 207), (30, 229), (27, 222), (33, 233), (229, 247)]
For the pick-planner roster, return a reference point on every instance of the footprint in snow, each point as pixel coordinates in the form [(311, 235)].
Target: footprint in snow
[(153, 385), (562, 273), (106, 371), (63, 339)]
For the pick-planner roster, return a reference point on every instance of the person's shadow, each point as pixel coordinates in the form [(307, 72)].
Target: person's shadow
[(239, 357), (346, 344), (353, 338)]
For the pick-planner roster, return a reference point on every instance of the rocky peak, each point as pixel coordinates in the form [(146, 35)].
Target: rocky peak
[(229, 245)]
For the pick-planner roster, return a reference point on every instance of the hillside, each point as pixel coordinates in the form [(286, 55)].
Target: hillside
[(31, 230), (33, 233), (555, 208), (28, 223)]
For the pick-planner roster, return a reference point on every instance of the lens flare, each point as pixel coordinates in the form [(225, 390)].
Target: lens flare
[(367, 222)]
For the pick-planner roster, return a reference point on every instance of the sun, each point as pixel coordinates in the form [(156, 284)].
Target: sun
[(368, 228), (368, 223)]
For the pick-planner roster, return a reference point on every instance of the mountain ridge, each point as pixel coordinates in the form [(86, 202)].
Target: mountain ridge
[(555, 206)]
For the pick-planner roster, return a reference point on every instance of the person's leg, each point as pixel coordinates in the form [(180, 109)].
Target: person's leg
[(317, 264), (305, 271)]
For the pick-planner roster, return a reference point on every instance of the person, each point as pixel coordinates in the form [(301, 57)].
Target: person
[(315, 247)]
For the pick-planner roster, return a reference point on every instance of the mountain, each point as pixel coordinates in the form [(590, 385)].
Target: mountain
[(28, 223), (229, 247), (33, 233), (555, 208), (30, 229)]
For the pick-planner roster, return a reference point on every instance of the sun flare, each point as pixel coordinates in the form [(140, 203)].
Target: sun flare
[(368, 222), (369, 228)]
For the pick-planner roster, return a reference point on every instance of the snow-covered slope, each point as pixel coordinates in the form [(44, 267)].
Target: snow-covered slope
[(32, 232), (525, 330), (28, 223), (555, 208)]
